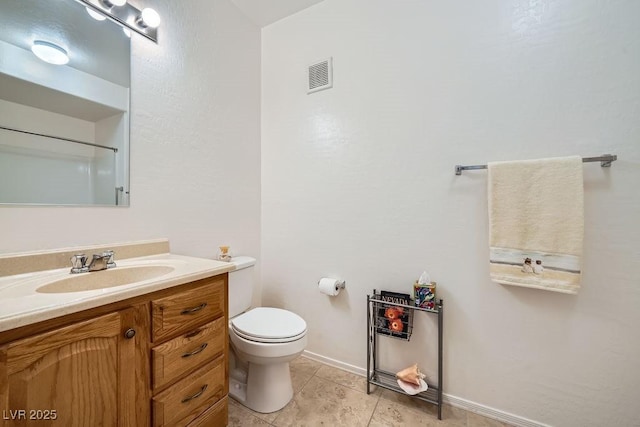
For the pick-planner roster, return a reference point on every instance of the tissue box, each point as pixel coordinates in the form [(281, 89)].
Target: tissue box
[(425, 295)]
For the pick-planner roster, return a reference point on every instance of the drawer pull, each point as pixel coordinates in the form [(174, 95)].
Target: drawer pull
[(194, 309), (193, 333), (195, 396), (196, 351)]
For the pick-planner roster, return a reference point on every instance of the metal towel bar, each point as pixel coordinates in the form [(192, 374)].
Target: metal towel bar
[(605, 161)]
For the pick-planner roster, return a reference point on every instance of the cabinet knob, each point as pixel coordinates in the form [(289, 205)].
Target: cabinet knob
[(130, 333)]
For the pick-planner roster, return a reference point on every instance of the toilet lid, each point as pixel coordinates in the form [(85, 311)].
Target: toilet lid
[(267, 323)]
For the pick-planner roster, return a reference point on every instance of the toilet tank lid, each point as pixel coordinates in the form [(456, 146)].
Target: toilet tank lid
[(243, 262)]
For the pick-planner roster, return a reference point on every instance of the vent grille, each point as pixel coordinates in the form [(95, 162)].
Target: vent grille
[(320, 75)]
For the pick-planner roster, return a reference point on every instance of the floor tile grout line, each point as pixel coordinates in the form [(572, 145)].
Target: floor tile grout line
[(294, 395), (378, 395), (350, 388), (244, 409), (375, 408), (346, 386)]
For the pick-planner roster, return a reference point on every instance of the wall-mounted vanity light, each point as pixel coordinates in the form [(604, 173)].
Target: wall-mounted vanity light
[(144, 22), (110, 3), (49, 52)]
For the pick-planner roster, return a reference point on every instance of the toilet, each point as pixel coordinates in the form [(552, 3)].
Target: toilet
[(263, 341)]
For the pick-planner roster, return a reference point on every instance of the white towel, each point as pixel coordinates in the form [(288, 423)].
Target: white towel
[(536, 223)]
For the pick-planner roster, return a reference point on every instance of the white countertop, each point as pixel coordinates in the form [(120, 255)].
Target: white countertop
[(21, 304)]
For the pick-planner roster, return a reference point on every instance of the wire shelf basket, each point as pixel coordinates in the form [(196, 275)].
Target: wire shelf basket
[(392, 319)]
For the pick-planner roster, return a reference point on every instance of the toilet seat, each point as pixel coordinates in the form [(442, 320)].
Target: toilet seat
[(268, 340), (269, 325)]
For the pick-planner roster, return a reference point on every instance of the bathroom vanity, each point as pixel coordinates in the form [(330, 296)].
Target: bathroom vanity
[(153, 352)]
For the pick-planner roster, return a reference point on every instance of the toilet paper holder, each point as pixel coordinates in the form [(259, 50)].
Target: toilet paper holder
[(340, 284)]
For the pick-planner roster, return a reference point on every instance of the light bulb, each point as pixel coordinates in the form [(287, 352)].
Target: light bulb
[(95, 15), (49, 52), (149, 18)]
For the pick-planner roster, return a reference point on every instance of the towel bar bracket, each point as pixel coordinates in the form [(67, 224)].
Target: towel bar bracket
[(460, 168), (605, 162)]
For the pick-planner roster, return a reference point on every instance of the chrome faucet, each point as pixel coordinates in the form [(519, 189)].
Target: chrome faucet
[(98, 262)]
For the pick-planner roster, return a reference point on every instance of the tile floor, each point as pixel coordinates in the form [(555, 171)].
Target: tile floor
[(326, 396)]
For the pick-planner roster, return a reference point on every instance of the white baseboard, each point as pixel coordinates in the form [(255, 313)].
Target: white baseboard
[(489, 412), (458, 402), (336, 363)]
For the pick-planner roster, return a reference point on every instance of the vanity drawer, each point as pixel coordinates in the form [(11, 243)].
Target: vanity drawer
[(217, 415), (185, 310), (184, 401), (182, 354)]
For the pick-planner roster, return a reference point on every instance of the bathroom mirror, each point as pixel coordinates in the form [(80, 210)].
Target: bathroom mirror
[(64, 127)]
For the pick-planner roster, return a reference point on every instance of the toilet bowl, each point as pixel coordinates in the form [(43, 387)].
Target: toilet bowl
[(265, 340)]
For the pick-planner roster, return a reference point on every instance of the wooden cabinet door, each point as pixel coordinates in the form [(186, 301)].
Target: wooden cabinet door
[(79, 375)]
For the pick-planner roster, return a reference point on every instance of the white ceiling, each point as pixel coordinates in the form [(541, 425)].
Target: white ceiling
[(265, 12)]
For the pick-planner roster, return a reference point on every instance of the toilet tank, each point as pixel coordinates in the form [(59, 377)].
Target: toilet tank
[(241, 285)]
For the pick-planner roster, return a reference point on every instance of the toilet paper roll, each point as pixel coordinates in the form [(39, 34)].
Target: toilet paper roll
[(330, 286)]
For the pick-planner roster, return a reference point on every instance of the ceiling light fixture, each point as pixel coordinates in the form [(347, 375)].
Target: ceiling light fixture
[(144, 22), (49, 52)]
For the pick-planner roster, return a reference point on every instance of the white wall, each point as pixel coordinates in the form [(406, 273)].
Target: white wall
[(358, 183), (195, 153)]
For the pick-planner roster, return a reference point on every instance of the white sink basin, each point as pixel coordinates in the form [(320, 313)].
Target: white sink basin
[(41, 295), (110, 278)]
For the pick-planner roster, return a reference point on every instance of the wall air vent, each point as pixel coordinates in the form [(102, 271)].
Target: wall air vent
[(320, 75)]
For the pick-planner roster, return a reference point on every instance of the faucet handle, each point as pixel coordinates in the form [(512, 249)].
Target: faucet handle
[(109, 255), (78, 263), (78, 260)]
